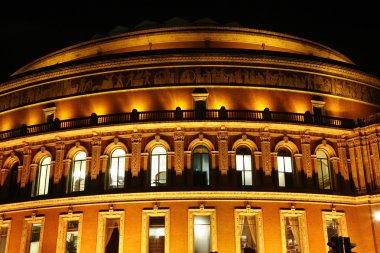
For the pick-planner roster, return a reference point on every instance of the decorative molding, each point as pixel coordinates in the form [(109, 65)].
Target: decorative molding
[(179, 152), (136, 154), (258, 216), (62, 230), (202, 211), (193, 195), (301, 215), (95, 153), (223, 151), (333, 214), (155, 212), (26, 232), (102, 219), (266, 153)]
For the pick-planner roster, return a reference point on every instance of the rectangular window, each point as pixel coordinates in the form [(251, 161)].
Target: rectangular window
[(69, 233), (110, 232), (31, 240), (334, 224), (293, 231), (202, 230), (4, 234), (249, 230), (155, 231)]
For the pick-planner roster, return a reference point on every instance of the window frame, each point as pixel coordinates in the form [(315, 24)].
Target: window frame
[(37, 180), (333, 215), (202, 212), (146, 214), (244, 170), (27, 230), (201, 159), (62, 230), (6, 223), (302, 224), (258, 215), (118, 169), (102, 222), (320, 168), (158, 165), (71, 188), (287, 184)]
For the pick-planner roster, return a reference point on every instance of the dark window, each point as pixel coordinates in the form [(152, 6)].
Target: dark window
[(201, 165)]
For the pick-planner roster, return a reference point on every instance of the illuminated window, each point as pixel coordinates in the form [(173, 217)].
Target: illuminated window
[(31, 241), (285, 168), (293, 231), (202, 230), (116, 171), (78, 171), (244, 165), (201, 165), (324, 179), (155, 231), (41, 183), (69, 233), (110, 232), (5, 226), (334, 224), (249, 230), (158, 166)]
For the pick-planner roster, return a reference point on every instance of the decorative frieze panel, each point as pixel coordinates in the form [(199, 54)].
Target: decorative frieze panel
[(26, 166), (266, 153), (136, 153), (179, 149), (185, 76), (223, 152), (342, 153), (306, 155)]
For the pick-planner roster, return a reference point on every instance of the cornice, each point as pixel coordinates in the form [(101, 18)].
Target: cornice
[(122, 198)]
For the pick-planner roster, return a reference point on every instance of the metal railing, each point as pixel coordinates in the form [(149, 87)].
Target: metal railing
[(180, 115)]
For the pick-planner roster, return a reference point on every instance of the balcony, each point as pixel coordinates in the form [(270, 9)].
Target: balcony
[(178, 115)]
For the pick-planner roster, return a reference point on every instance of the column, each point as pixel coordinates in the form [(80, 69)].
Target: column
[(354, 173), (266, 158), (95, 151), (26, 166), (136, 156), (223, 156), (179, 157), (374, 147)]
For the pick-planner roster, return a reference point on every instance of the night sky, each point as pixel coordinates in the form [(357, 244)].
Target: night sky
[(30, 30)]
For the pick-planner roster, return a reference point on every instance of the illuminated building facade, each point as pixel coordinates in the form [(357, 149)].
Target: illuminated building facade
[(190, 138)]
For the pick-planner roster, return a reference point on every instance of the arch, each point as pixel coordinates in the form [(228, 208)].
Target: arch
[(74, 150), (329, 150), (288, 145), (11, 161), (40, 155), (156, 142), (201, 142), (113, 146), (245, 142)]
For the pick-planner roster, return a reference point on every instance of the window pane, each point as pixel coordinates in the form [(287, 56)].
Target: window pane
[(332, 226), (43, 177), (112, 235), (72, 236), (79, 172), (239, 162), (35, 238), (157, 234), (202, 234), (288, 164), (248, 233), (292, 234), (323, 170), (117, 169), (280, 164), (158, 166), (3, 238), (281, 179)]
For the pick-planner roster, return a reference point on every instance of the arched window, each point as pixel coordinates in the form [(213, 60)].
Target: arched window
[(116, 171), (78, 172), (41, 182), (201, 165), (285, 168), (244, 165), (324, 177), (158, 166)]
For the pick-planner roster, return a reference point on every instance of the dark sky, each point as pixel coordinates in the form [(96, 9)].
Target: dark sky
[(30, 30)]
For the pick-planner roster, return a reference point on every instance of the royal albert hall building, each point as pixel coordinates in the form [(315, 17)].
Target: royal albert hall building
[(187, 137)]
